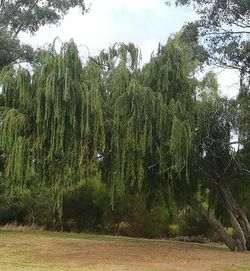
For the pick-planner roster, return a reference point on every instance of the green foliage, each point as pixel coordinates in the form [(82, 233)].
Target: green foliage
[(225, 27), (243, 117), (157, 226), (85, 208), (141, 111), (191, 224), (168, 72), (152, 135), (52, 125), (11, 50), (174, 230), (189, 40), (131, 217), (106, 108), (29, 16), (32, 206), (15, 125), (109, 109)]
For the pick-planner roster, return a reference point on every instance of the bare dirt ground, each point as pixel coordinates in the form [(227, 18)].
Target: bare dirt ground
[(38, 252)]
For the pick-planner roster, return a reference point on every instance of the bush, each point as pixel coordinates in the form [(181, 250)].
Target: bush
[(39, 207), (84, 209), (157, 224), (193, 225), (29, 207), (11, 212), (131, 217)]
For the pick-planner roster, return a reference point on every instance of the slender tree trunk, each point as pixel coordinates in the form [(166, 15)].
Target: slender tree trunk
[(238, 217), (216, 224), (239, 236)]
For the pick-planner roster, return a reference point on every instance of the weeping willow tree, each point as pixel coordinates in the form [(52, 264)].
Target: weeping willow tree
[(53, 128), (65, 122), (176, 133), (148, 123), (133, 114)]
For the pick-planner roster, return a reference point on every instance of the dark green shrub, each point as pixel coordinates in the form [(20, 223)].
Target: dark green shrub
[(39, 206), (84, 209), (31, 206), (192, 225), (131, 217), (157, 222)]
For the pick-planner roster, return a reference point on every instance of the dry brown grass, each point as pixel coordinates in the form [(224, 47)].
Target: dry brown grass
[(36, 252), (21, 228)]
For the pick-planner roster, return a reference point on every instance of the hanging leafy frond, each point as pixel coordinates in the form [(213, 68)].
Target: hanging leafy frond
[(167, 72), (15, 124), (18, 162), (53, 128), (181, 145)]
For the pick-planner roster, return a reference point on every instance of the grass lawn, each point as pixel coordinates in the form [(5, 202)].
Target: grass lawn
[(26, 251)]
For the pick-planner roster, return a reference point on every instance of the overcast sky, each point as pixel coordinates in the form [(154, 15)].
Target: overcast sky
[(143, 22)]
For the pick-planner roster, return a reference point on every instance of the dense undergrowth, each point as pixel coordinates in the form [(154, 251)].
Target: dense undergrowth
[(88, 209)]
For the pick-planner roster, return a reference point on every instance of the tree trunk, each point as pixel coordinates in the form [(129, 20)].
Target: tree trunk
[(239, 236), (238, 217), (232, 244)]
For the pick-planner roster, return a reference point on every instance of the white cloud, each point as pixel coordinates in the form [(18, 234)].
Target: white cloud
[(228, 82), (143, 22)]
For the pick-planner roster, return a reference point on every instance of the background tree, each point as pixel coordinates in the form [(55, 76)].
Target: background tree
[(225, 26), (20, 15)]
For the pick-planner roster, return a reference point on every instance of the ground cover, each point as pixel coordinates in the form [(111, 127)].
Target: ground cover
[(26, 251)]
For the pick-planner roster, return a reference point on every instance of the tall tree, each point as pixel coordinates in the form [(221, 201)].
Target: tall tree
[(21, 15)]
